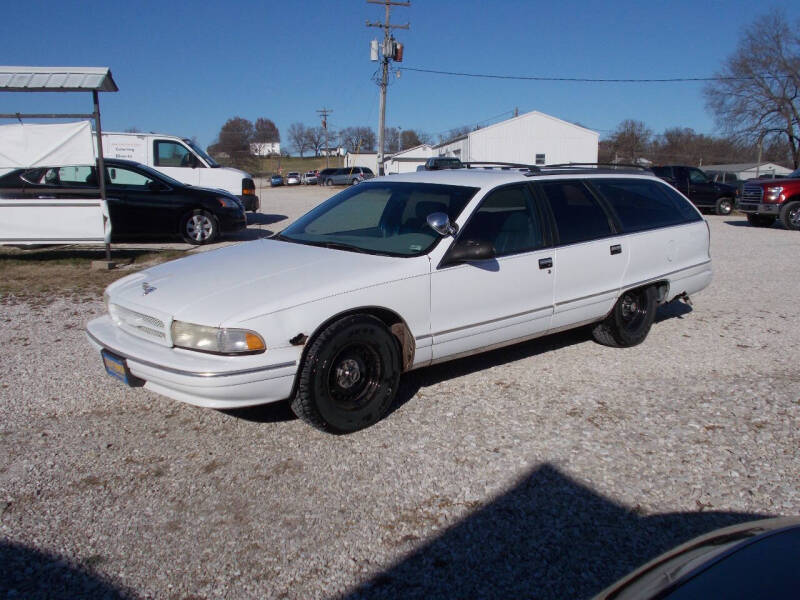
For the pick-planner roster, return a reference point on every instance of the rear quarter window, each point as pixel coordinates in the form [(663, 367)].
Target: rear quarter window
[(640, 204)]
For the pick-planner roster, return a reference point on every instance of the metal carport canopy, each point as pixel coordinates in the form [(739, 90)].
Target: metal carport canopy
[(57, 79), (64, 79)]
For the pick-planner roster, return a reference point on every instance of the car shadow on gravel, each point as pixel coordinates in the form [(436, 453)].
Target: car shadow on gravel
[(413, 381), (275, 412), (263, 219), (31, 574), (549, 537)]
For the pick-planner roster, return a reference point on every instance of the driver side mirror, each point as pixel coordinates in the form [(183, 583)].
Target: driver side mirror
[(469, 250), (156, 186), (441, 224)]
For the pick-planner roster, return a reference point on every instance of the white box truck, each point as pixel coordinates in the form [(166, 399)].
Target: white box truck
[(181, 159)]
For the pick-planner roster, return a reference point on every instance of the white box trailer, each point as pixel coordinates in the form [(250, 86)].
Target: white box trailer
[(181, 159), (25, 220)]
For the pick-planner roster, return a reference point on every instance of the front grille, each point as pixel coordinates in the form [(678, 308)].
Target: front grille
[(138, 323), (752, 193)]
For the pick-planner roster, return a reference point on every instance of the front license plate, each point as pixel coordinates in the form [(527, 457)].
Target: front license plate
[(116, 367)]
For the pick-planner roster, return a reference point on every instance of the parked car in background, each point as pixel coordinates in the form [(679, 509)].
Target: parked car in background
[(309, 178), (275, 180), (766, 200), (345, 175), (403, 272), (441, 162), (701, 189), (293, 178), (183, 160), (141, 201)]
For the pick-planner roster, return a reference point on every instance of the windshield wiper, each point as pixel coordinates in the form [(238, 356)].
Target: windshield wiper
[(341, 246)]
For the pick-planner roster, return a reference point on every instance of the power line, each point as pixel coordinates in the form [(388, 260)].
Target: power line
[(588, 79)]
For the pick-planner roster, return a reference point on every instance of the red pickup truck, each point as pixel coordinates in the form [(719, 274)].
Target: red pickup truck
[(765, 200)]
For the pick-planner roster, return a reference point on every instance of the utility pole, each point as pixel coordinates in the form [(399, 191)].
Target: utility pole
[(389, 52), (324, 114)]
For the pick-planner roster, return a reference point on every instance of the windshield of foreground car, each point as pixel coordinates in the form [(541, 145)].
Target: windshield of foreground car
[(380, 218), (211, 162)]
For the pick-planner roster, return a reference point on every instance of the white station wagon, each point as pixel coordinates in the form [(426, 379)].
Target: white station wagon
[(403, 272)]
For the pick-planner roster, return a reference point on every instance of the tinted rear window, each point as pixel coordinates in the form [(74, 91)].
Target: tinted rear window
[(579, 217), (640, 204)]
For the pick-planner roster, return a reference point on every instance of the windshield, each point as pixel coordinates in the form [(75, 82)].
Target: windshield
[(380, 218), (152, 173), (211, 162)]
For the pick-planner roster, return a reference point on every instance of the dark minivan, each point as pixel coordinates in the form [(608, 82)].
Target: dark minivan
[(142, 202)]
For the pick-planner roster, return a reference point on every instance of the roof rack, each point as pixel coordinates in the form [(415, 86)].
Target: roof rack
[(502, 165), (597, 164)]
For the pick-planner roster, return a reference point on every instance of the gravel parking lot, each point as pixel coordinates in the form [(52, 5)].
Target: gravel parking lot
[(547, 470)]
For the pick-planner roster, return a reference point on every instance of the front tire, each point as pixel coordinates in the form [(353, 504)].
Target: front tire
[(328, 182), (349, 377), (199, 227), (760, 220), (790, 215), (724, 206), (629, 321)]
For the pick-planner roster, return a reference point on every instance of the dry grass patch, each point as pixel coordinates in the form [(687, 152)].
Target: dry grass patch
[(47, 273)]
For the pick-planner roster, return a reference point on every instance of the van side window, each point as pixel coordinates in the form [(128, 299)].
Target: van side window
[(579, 216), (639, 204), (172, 154), (506, 218)]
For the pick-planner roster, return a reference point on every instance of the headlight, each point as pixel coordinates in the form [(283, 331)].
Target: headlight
[(216, 339), (773, 193)]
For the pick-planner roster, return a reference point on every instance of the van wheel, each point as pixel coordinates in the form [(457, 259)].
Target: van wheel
[(349, 377), (630, 320), (724, 206), (790, 215), (328, 182), (760, 220), (199, 227)]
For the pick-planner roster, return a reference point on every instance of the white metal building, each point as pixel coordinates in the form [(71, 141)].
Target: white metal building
[(407, 161), (362, 159), (265, 148), (749, 170), (530, 138)]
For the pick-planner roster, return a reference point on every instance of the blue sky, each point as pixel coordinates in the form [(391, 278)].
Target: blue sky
[(185, 68)]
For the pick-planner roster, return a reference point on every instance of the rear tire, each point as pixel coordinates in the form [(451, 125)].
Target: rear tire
[(349, 377), (761, 220), (790, 215), (630, 320), (724, 206), (199, 227)]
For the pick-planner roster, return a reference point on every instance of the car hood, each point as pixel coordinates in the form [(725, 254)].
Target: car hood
[(237, 283)]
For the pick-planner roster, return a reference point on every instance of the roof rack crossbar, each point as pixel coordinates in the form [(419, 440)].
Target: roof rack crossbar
[(495, 163), (597, 164)]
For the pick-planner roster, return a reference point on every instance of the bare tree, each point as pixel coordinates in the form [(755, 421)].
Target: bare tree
[(409, 139), (315, 138), (630, 140), (391, 140), (298, 137), (756, 93), (454, 133), (233, 142), (357, 139), (266, 131)]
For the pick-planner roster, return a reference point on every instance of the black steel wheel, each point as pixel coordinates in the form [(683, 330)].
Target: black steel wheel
[(790, 215), (630, 320), (349, 377)]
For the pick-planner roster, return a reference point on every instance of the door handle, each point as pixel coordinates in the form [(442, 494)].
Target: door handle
[(546, 263), (616, 249)]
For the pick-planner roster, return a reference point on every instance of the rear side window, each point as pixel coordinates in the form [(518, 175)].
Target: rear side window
[(662, 171), (579, 216), (640, 204)]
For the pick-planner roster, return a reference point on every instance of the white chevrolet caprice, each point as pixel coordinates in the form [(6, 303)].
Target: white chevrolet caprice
[(401, 272)]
